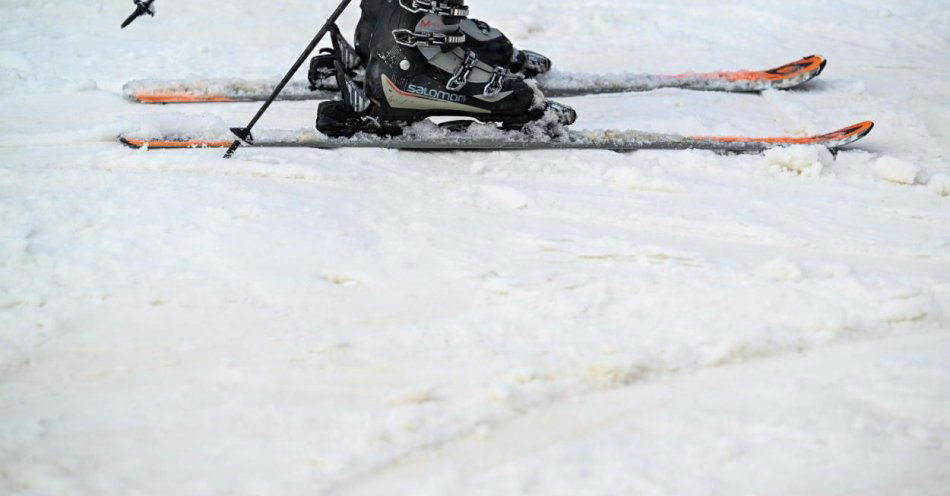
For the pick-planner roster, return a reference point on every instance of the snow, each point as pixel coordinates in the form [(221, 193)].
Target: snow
[(800, 159), (558, 322), (940, 184), (896, 170)]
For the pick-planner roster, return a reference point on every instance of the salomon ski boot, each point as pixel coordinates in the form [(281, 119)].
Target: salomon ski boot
[(423, 64), (489, 44)]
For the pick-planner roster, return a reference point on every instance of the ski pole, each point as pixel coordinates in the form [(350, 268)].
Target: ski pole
[(244, 133), (142, 7)]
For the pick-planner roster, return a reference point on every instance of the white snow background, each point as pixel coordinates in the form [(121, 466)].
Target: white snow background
[(301, 322)]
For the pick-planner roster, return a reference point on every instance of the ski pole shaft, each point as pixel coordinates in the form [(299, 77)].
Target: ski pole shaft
[(141, 8), (245, 133), (128, 20)]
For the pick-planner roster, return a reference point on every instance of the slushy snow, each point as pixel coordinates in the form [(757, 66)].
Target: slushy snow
[(800, 159), (896, 170), (940, 184), (307, 322)]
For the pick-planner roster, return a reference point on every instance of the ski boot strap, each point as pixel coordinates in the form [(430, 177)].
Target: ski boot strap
[(434, 7)]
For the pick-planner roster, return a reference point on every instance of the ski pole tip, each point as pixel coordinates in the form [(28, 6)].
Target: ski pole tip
[(233, 148)]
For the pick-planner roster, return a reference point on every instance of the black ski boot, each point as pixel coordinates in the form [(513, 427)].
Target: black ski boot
[(489, 44), (423, 64)]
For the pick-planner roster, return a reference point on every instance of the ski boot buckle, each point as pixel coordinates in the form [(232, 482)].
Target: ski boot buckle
[(408, 38), (433, 7), (498, 76), (460, 79)]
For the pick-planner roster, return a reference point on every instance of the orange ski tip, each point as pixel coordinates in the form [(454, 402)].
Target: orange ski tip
[(810, 64), (159, 144), (856, 131), (180, 98)]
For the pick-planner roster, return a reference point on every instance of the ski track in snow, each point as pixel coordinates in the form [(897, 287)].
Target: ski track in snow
[(380, 322)]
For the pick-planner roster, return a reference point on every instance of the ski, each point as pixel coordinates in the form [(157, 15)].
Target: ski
[(553, 84), (486, 137)]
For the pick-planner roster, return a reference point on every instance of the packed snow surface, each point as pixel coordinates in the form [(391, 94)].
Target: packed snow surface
[(303, 322)]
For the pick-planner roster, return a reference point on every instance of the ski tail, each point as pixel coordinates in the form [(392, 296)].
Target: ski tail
[(216, 91), (604, 140), (180, 98), (169, 143)]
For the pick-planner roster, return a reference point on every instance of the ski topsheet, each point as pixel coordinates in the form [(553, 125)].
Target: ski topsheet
[(428, 136), (553, 84)]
